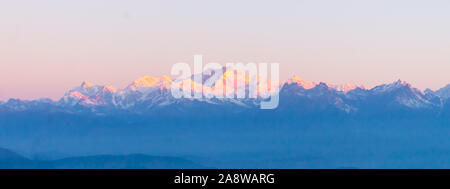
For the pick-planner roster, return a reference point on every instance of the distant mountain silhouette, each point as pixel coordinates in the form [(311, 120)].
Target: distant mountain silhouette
[(12, 160)]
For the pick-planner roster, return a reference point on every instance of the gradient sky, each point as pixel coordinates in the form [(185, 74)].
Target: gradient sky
[(48, 47)]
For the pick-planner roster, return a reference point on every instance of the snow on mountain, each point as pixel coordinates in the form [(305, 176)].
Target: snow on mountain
[(302, 83), (389, 87), (147, 93), (226, 81), (404, 94), (296, 86), (345, 88), (306, 96), (444, 92), (357, 94), (309, 85), (146, 83), (146, 88), (89, 94), (24, 105), (16, 105)]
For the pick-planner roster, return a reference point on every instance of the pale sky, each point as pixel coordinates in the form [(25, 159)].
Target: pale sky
[(48, 47)]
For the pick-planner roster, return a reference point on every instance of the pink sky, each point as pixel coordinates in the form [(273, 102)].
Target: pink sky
[(48, 47)]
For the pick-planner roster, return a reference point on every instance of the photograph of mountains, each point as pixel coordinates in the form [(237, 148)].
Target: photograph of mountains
[(315, 126), (362, 85)]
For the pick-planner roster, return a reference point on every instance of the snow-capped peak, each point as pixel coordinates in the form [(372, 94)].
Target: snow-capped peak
[(88, 94), (401, 83), (149, 81), (148, 92), (390, 87), (405, 94), (109, 88), (444, 92), (146, 83), (346, 87), (86, 84), (300, 82)]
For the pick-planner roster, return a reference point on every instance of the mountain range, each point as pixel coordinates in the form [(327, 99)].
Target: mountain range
[(150, 95), (316, 125)]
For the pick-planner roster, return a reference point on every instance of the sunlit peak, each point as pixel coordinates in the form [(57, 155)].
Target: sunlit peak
[(299, 81), (86, 84)]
